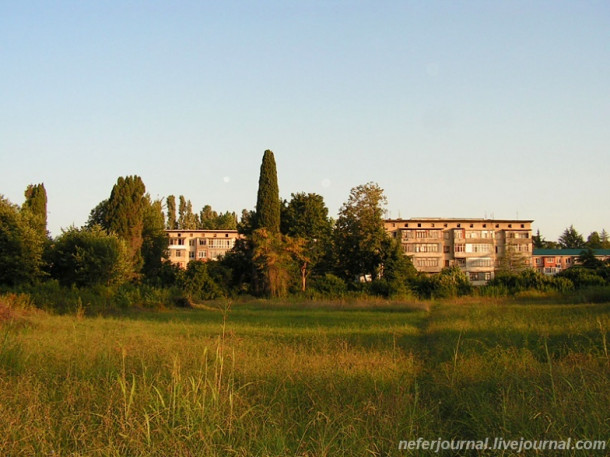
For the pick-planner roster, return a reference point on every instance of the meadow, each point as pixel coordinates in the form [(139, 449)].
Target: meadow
[(264, 378)]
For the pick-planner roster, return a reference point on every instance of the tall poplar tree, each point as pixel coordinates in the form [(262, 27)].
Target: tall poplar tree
[(125, 214), (36, 204), (268, 198), (172, 224)]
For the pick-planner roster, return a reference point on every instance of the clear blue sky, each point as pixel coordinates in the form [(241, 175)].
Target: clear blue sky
[(456, 108)]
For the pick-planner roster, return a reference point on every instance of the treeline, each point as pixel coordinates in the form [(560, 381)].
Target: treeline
[(572, 239), (289, 247)]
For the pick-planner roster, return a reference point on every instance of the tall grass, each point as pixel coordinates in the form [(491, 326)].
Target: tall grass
[(273, 379)]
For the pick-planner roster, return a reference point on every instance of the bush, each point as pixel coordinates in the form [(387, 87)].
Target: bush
[(328, 285), (89, 257), (582, 277), (198, 284)]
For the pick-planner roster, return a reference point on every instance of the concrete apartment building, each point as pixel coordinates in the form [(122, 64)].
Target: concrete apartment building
[(475, 245), (187, 245)]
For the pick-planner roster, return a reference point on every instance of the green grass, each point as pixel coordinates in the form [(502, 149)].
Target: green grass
[(301, 379)]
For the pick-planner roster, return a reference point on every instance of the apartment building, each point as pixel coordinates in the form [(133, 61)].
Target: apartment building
[(187, 245), (553, 261), (478, 246)]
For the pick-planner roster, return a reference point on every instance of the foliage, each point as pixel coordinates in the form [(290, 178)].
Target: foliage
[(36, 204), (329, 285), (571, 239), (125, 215), (395, 266), (238, 261), (512, 261), (211, 220), (21, 245), (581, 277), (273, 262), (197, 283), (99, 215), (605, 239), (359, 233), (187, 220), (154, 238), (528, 279), (450, 282), (89, 256), (594, 241), (305, 218), (172, 223), (268, 199)]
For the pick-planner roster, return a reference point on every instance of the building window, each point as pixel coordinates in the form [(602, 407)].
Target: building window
[(191, 254), (478, 247), (426, 247), (426, 262), (202, 254)]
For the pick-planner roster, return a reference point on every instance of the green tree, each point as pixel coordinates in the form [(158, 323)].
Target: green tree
[(21, 245), (197, 282), (605, 239), (538, 240), (305, 218), (36, 204), (268, 198), (594, 241), (88, 257), (125, 215), (273, 258), (359, 233), (170, 203), (571, 239), (186, 219), (512, 261), (211, 220), (98, 215), (154, 239)]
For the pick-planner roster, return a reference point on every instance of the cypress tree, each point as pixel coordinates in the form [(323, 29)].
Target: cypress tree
[(268, 198)]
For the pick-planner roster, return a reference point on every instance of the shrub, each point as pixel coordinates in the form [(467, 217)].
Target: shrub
[(328, 285), (582, 277), (197, 283)]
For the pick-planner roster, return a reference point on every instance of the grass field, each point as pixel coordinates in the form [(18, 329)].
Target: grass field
[(270, 379)]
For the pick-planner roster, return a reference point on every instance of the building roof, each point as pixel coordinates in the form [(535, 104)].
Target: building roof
[(200, 231), (457, 219), (569, 252)]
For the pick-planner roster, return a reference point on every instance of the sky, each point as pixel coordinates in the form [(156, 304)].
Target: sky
[(455, 108)]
